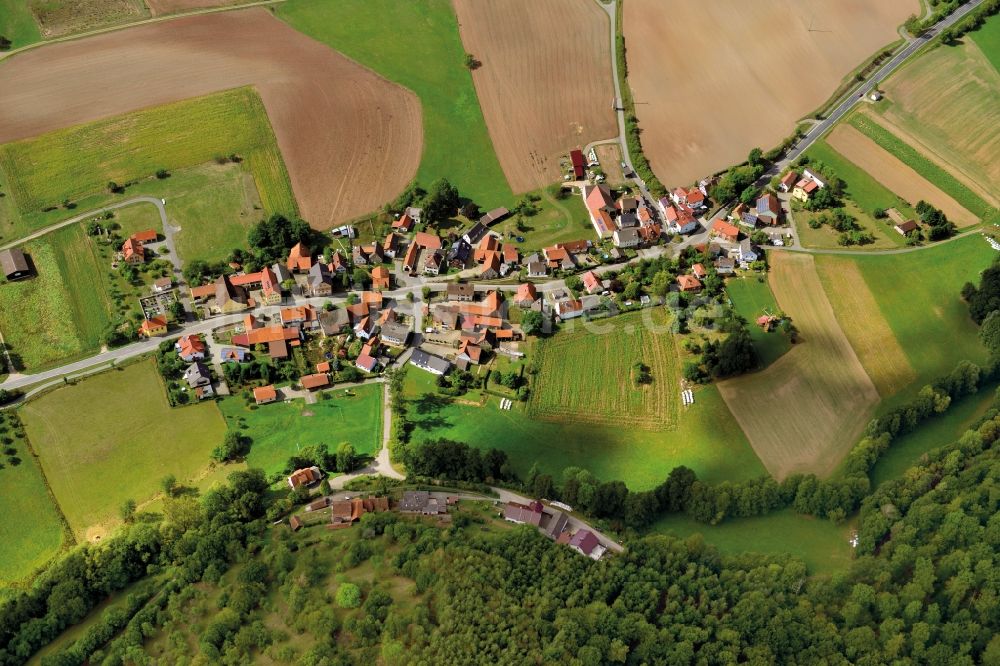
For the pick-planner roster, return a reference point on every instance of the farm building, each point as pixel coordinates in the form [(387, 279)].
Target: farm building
[(304, 477), (903, 228), (579, 167), (14, 264)]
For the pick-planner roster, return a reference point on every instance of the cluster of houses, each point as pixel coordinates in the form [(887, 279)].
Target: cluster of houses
[(627, 221), (766, 212), (555, 525), (559, 257), (682, 208), (346, 512), (427, 253), (803, 186), (481, 325)]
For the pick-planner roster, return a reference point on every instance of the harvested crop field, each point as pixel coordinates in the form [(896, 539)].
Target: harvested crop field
[(805, 411), (350, 139), (713, 80), (889, 170), (586, 373), (944, 104), (545, 81), (64, 17), (862, 321)]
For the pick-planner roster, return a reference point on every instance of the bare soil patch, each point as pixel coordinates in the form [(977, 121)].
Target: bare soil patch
[(714, 79), (350, 139), (610, 157), (889, 170), (545, 81), (805, 411)]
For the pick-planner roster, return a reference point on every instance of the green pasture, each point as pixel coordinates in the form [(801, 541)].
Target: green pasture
[(113, 437), (751, 298), (867, 192), (280, 429), (987, 38), (17, 24)]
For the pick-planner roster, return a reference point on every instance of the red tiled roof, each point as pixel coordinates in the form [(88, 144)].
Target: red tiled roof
[(315, 381), (427, 241), (265, 393), (147, 236)]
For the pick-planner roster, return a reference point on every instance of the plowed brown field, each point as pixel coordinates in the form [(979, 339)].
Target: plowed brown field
[(714, 79), (807, 409), (545, 81), (889, 170), (350, 139)]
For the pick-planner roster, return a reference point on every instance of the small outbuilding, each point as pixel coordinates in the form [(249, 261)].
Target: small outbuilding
[(14, 264)]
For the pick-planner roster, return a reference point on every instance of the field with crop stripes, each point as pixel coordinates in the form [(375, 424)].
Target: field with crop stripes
[(79, 161), (586, 375)]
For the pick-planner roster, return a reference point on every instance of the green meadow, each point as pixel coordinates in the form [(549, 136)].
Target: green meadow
[(751, 298), (867, 192), (987, 38), (416, 44), (17, 24), (707, 438), (280, 429)]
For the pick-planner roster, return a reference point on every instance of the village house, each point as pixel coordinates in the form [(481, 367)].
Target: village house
[(679, 221), (591, 282), (526, 295), (601, 207), (162, 285), (199, 379), (807, 186), (787, 182), (445, 316), (191, 348), (344, 513), (725, 231), (698, 270), (319, 282), (410, 258), (315, 381), (461, 291), (494, 216), (153, 327), (769, 209), (303, 316), (304, 477), (395, 333), (458, 254), (299, 259), (586, 543), (265, 394), (550, 522), (427, 241), (390, 245), (333, 322), (725, 266), (403, 224), (569, 308), (748, 253), (537, 269), (14, 264), (693, 198), (232, 355), (688, 283), (422, 502), (475, 233), (492, 267), (559, 258), (380, 277), (627, 237), (230, 298), (338, 264), (365, 361), (432, 262), (133, 252), (432, 364)]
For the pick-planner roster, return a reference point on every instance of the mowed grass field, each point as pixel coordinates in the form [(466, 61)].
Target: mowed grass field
[(281, 428), (822, 545), (585, 372), (917, 294), (113, 437), (804, 412), (416, 44), (752, 297), (861, 320), (706, 438), (61, 312), (79, 161), (31, 531), (944, 114), (17, 24)]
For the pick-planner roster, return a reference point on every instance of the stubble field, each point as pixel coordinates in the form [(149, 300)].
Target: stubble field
[(894, 174), (350, 139), (545, 81), (585, 373), (805, 411), (713, 80)]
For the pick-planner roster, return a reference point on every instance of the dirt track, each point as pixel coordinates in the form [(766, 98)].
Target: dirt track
[(545, 82), (887, 169), (350, 139), (714, 79), (805, 411)]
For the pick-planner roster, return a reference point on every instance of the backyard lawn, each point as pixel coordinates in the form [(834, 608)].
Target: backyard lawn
[(706, 438), (78, 162), (113, 437), (752, 297), (278, 430), (31, 531), (417, 45), (822, 545)]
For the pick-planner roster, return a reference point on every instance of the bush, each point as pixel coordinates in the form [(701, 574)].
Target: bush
[(348, 595)]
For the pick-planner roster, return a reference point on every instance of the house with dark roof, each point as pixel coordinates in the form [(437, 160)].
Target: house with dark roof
[(627, 237), (395, 333), (768, 209), (586, 543), (319, 282), (199, 379), (475, 233), (429, 362), (333, 322), (229, 297), (14, 264), (461, 291), (422, 502)]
